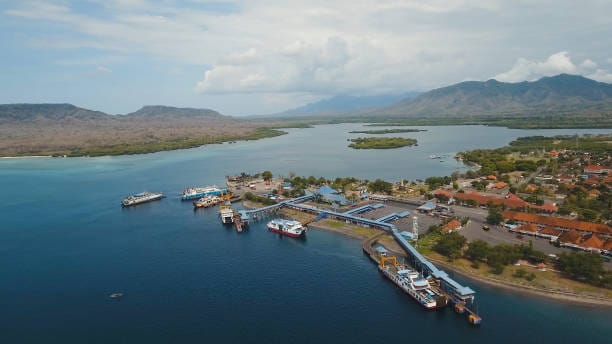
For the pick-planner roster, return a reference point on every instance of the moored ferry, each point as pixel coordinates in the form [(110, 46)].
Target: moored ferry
[(413, 284), (207, 201), (289, 228), (199, 192), (226, 213), (139, 198)]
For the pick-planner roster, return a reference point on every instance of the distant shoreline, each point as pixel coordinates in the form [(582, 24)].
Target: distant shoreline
[(26, 156)]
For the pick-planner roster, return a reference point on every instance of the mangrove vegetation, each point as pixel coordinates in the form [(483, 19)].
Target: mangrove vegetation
[(381, 142)]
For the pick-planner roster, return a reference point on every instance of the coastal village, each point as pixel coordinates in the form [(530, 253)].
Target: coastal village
[(521, 218)]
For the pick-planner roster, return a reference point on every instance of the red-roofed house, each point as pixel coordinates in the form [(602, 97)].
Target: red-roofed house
[(451, 226), (531, 188), (593, 242), (500, 185), (527, 228), (443, 193), (596, 169), (594, 193), (570, 238), (608, 245), (545, 208), (550, 233), (558, 222)]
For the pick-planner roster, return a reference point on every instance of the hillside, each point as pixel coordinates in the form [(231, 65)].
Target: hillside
[(346, 104), (563, 93), (65, 129), (162, 111)]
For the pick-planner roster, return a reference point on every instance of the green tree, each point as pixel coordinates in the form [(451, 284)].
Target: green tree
[(494, 217), (588, 215), (582, 266), (266, 175), (450, 245), (477, 250), (380, 185)]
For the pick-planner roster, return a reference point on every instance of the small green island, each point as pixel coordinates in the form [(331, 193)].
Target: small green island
[(381, 142), (386, 131)]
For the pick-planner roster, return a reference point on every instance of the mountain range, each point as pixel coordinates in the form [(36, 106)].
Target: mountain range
[(65, 129), (563, 93), (27, 129), (347, 104)]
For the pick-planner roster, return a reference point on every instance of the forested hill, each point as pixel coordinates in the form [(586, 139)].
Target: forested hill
[(558, 94), (65, 129)]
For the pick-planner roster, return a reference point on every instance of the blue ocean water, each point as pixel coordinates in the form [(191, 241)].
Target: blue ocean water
[(66, 244)]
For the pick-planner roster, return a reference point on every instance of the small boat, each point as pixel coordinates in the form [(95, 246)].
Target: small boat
[(140, 198), (289, 228), (116, 295)]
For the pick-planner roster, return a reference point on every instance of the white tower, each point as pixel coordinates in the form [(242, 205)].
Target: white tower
[(415, 228)]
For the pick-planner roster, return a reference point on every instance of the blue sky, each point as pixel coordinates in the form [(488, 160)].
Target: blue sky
[(256, 57)]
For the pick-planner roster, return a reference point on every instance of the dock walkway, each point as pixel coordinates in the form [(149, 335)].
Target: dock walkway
[(460, 294)]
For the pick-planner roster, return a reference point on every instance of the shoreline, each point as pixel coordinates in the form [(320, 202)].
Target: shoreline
[(550, 294), (26, 157), (570, 298), (156, 147)]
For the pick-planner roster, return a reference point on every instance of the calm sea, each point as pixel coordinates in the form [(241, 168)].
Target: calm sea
[(66, 244)]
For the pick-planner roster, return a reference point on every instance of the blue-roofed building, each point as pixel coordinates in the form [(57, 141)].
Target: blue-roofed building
[(287, 186), (381, 250), (427, 207), (330, 195)]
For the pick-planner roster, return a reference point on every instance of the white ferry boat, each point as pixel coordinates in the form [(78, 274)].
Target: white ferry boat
[(415, 285), (139, 198), (289, 228)]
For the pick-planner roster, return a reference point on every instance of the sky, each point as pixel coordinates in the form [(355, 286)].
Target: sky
[(265, 56)]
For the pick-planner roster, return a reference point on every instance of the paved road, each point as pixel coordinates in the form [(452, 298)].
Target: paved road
[(530, 177)]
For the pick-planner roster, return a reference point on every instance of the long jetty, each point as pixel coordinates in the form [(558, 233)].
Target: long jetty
[(460, 295)]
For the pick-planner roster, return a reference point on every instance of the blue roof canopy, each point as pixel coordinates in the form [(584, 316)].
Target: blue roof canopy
[(326, 190)]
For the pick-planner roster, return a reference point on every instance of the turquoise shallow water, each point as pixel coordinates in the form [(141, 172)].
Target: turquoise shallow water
[(66, 244)]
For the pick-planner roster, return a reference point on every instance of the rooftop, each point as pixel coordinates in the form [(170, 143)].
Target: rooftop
[(558, 222)]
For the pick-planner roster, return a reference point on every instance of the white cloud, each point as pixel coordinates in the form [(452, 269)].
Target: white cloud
[(602, 75), (525, 69), (327, 47), (588, 64), (560, 62), (103, 70)]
